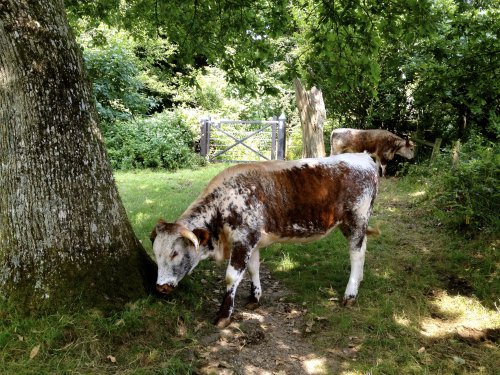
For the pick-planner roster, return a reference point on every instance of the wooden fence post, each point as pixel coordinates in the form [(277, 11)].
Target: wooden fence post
[(281, 137), (273, 138), (205, 136)]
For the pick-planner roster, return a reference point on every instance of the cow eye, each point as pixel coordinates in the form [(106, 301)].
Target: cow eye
[(174, 254)]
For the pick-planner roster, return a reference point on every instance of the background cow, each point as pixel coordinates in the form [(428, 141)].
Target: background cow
[(381, 144), (250, 206)]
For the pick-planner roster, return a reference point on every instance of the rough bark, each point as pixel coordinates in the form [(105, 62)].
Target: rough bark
[(64, 235), (312, 117)]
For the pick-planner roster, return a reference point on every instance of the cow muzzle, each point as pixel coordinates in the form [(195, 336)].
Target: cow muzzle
[(165, 288)]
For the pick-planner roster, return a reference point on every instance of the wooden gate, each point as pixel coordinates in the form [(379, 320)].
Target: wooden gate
[(242, 141)]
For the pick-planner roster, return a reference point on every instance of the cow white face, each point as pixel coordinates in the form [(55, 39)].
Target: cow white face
[(407, 150), (177, 253)]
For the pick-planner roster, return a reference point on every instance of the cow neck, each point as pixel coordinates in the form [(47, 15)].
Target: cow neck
[(201, 214)]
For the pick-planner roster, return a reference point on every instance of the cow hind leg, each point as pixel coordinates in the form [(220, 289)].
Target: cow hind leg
[(255, 287)]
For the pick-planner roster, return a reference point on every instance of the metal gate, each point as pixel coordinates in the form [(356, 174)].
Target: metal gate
[(242, 141)]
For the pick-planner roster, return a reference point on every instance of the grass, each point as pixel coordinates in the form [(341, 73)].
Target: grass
[(428, 303), (150, 195)]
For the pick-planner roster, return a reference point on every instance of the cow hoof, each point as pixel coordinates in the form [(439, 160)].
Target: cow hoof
[(252, 305), (349, 301), (222, 322)]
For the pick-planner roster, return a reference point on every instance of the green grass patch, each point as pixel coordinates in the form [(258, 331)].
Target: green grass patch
[(428, 303), (426, 291), (150, 195)]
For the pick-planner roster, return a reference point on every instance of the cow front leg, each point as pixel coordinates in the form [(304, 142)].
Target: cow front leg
[(234, 274), (357, 249), (383, 169), (255, 287), (379, 166)]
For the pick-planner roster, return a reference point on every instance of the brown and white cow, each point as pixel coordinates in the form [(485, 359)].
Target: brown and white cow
[(250, 206), (381, 144)]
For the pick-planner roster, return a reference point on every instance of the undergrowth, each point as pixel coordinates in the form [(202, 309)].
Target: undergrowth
[(463, 188)]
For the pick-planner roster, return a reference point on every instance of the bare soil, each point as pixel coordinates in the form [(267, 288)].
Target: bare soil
[(270, 339)]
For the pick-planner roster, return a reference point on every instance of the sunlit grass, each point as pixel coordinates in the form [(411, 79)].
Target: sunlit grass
[(428, 303), (457, 312), (151, 195), (407, 273), (419, 193), (286, 264)]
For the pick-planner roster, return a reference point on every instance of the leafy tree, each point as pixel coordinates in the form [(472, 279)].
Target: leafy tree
[(344, 50), (202, 31), (398, 65), (455, 70), (115, 73)]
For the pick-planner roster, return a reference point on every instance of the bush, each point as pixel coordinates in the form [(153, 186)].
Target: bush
[(160, 141), (467, 195), (117, 73)]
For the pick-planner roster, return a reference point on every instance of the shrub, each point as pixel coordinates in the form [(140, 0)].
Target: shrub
[(160, 141), (467, 195), (116, 72)]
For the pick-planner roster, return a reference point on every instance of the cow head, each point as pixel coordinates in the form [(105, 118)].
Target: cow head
[(407, 149), (177, 252)]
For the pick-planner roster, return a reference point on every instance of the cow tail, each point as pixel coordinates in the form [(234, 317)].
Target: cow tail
[(373, 231)]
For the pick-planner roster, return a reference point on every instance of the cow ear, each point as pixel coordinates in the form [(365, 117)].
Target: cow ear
[(202, 234), (161, 226), (152, 235)]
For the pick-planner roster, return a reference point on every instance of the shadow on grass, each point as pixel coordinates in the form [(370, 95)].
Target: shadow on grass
[(426, 305)]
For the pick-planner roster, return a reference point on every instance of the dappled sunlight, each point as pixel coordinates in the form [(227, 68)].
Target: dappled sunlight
[(315, 366), (459, 312), (141, 218), (402, 320), (149, 201), (287, 264), (247, 315), (418, 194), (253, 370), (385, 273)]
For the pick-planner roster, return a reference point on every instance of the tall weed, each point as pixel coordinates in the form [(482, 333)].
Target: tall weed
[(466, 195)]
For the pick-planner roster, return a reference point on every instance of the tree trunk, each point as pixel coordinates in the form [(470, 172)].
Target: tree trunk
[(312, 117), (463, 114), (64, 236)]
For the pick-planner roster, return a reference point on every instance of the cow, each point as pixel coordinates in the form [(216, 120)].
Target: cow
[(250, 206), (381, 144)]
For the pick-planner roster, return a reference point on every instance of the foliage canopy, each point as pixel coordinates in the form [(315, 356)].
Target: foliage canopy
[(426, 66)]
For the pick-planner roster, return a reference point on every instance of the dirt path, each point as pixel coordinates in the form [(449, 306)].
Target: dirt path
[(276, 338), (268, 340)]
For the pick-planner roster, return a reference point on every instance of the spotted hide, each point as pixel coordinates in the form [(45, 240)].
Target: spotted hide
[(250, 206), (381, 144)]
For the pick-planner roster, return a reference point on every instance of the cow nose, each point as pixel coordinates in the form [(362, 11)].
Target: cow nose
[(165, 288)]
